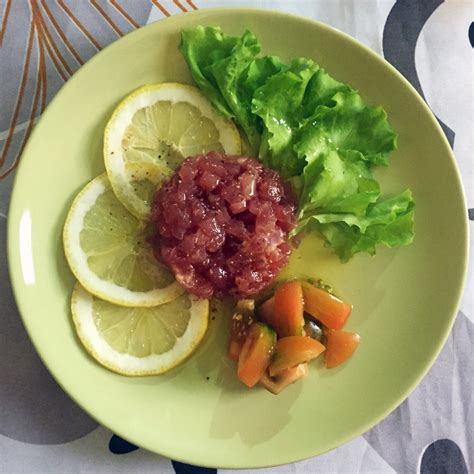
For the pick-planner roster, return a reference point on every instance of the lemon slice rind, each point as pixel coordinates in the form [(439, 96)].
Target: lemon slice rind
[(77, 258), (126, 364), (122, 117)]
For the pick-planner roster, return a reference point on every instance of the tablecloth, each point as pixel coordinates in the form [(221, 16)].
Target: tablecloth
[(42, 43)]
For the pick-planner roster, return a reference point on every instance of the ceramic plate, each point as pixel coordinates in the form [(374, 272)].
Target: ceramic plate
[(405, 300)]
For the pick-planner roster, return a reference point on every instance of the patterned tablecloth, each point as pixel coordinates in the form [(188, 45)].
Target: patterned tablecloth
[(42, 43)]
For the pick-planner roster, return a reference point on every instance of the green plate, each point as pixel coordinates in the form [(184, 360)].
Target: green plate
[(405, 300)]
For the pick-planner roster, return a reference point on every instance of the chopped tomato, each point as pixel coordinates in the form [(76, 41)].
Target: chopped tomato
[(340, 346), (327, 308), (285, 378), (256, 353), (294, 350), (289, 307), (242, 318), (284, 311), (267, 313)]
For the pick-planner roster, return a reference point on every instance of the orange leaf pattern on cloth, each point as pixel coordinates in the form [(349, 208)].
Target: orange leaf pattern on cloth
[(53, 39)]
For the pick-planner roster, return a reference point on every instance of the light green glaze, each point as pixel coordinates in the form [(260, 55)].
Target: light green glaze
[(405, 300)]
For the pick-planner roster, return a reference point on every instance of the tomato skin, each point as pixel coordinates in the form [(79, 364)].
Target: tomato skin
[(242, 319), (285, 378), (284, 311), (289, 307), (267, 313), (340, 345), (256, 354), (327, 308), (294, 350)]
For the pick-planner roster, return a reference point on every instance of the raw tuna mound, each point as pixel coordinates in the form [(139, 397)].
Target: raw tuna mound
[(223, 225)]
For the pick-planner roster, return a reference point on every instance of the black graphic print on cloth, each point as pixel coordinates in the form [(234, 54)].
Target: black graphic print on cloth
[(404, 24), (117, 445), (41, 45), (443, 457), (471, 214), (181, 468), (444, 404)]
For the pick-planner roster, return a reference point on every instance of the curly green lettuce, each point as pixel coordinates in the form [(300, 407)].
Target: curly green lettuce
[(314, 130)]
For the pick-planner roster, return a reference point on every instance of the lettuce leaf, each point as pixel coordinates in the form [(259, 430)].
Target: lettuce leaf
[(338, 182), (226, 69), (349, 124), (389, 222), (316, 131), (278, 102), (202, 48)]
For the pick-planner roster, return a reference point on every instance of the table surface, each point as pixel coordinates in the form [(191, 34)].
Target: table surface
[(42, 42)]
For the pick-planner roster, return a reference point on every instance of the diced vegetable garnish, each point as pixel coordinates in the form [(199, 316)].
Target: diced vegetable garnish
[(256, 353), (289, 309), (267, 313), (285, 378), (242, 318), (284, 311), (323, 306), (298, 323), (340, 345), (294, 350), (313, 330)]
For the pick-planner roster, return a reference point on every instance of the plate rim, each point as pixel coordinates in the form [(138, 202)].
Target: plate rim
[(16, 279)]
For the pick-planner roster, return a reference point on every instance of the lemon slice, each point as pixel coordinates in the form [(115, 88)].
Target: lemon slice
[(139, 341), (108, 251), (145, 178), (162, 124)]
